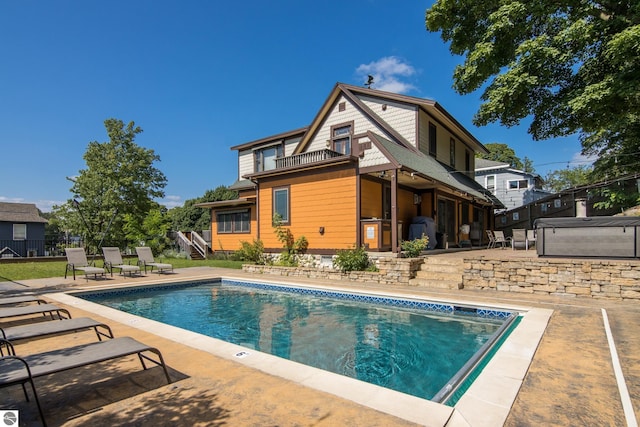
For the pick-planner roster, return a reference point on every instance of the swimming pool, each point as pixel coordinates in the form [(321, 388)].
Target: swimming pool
[(421, 348)]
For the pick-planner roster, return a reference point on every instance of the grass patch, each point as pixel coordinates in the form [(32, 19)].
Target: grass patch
[(40, 270)]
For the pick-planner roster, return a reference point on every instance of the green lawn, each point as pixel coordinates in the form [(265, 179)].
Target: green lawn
[(41, 270)]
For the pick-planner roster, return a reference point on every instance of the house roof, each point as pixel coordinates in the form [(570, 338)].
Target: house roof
[(350, 92), (20, 212), (429, 166), (484, 164), (276, 137)]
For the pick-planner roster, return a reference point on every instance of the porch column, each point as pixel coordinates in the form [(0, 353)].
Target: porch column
[(394, 211)]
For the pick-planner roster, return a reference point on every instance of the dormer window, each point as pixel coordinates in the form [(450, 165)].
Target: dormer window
[(265, 158), (341, 138)]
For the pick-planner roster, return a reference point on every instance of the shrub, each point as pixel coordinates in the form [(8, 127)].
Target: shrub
[(354, 259), (292, 247), (413, 247), (252, 252)]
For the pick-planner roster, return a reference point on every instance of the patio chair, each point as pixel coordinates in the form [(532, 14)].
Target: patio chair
[(113, 259), (531, 238), (21, 300), (519, 238), (21, 370), (501, 239), (145, 258), (77, 261), (492, 240), (45, 329), (27, 310)]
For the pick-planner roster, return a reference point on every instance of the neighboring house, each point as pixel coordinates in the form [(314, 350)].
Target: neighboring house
[(512, 187), (571, 202), (366, 166), (21, 230)]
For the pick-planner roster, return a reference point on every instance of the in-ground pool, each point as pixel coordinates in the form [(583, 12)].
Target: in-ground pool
[(421, 348)]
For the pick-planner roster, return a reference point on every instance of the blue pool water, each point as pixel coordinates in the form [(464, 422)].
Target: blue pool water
[(414, 348)]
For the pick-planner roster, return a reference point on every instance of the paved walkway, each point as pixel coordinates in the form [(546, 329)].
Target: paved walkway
[(570, 382)]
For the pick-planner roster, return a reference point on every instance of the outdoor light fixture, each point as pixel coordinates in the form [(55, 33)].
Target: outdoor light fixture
[(321, 230)]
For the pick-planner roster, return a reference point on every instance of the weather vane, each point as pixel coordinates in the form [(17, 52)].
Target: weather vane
[(369, 81)]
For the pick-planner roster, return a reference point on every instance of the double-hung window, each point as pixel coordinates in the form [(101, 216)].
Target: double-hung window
[(265, 158), (452, 152), (281, 204), (491, 183), (341, 138), (433, 142), (233, 222), (19, 231)]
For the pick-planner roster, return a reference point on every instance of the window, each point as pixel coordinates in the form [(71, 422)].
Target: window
[(341, 139), (516, 216), (433, 144), (467, 162), (19, 231), (518, 184), (491, 183), (233, 222), (281, 204), (557, 203), (452, 152), (266, 157)]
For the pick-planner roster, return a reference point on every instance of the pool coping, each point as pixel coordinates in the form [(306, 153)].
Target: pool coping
[(487, 401)]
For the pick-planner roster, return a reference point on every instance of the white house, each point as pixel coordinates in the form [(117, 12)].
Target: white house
[(513, 187)]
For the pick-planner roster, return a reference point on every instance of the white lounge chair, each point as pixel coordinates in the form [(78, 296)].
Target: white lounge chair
[(519, 238), (113, 259), (531, 238), (501, 239), (77, 261), (492, 240), (145, 258)]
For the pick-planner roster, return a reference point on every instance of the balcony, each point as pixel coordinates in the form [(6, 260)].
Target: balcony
[(306, 158)]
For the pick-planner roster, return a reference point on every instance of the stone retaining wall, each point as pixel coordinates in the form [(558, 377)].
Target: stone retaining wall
[(391, 271), (609, 279)]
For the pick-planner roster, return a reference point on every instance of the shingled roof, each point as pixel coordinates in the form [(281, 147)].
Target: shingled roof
[(20, 212)]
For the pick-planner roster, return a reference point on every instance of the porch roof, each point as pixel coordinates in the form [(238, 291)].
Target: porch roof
[(416, 161), (227, 203)]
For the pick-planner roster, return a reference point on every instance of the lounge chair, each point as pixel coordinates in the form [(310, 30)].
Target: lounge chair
[(21, 300), (77, 261), (44, 329), (16, 370), (531, 238), (501, 239), (113, 259), (519, 238), (27, 310), (145, 258), (492, 240)]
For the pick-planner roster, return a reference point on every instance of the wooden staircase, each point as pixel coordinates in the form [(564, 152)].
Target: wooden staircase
[(439, 273)]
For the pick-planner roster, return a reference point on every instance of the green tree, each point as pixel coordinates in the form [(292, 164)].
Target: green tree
[(571, 66), (120, 180), (151, 231), (563, 179), (502, 153), (190, 217)]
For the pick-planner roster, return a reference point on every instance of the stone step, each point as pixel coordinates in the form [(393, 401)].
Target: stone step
[(436, 284), (439, 275)]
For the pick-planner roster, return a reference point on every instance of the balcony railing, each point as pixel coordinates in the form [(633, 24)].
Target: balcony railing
[(306, 158)]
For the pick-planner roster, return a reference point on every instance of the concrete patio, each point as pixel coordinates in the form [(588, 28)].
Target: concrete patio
[(570, 381)]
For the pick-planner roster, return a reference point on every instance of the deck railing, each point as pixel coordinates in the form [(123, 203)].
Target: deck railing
[(306, 158)]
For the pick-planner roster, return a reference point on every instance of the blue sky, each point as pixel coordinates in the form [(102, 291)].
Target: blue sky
[(201, 76)]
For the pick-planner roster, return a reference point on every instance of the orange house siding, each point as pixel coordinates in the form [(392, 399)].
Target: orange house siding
[(317, 199), (371, 194), (231, 241)]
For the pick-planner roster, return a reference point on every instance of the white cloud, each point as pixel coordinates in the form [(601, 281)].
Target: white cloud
[(388, 73), (580, 159), (171, 201), (43, 205)]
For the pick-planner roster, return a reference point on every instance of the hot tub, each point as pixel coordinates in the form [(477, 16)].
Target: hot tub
[(602, 237)]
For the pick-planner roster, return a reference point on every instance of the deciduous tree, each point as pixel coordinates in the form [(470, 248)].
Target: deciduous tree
[(572, 66)]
